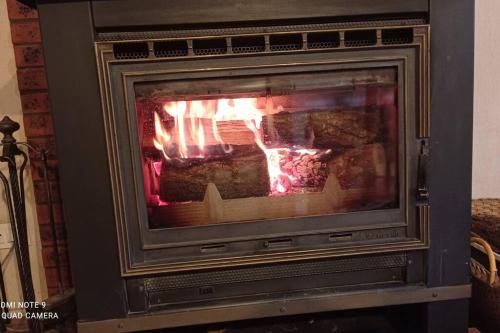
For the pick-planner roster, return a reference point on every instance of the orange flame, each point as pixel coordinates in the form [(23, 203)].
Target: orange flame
[(196, 111), (223, 109), (162, 138), (280, 181), (178, 111), (215, 130), (238, 109)]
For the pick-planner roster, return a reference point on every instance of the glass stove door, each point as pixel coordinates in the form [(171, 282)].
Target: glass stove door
[(269, 147)]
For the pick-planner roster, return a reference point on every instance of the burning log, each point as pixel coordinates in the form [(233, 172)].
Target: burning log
[(322, 129), (241, 174)]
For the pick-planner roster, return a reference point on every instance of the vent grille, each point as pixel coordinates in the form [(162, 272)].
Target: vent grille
[(287, 42), (397, 36), (209, 46), (266, 42), (250, 44), (323, 40), (358, 38), (189, 280), (131, 50), (176, 48)]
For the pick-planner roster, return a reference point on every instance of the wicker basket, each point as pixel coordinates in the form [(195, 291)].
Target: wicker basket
[(485, 302), (486, 221), (485, 239)]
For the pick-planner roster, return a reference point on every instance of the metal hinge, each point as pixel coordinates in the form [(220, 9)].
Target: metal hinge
[(422, 190)]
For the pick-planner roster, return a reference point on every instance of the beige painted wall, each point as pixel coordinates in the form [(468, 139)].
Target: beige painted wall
[(10, 104), (486, 164)]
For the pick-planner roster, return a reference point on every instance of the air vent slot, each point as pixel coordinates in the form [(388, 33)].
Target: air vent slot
[(175, 48), (343, 237), (209, 46), (357, 38), (397, 36), (213, 248), (286, 42), (131, 50), (323, 40), (249, 44), (278, 243)]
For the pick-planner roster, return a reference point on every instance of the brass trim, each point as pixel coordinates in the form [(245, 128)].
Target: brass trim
[(290, 305), (155, 35), (114, 170), (423, 35), (104, 55), (273, 258)]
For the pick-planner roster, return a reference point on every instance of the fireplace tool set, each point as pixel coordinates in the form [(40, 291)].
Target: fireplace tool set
[(16, 161)]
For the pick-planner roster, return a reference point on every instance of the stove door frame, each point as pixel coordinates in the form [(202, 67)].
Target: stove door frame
[(144, 251)]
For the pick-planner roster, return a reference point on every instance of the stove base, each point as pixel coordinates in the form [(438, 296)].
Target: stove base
[(289, 305)]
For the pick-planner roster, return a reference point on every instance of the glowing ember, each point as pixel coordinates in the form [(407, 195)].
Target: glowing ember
[(202, 117), (295, 168)]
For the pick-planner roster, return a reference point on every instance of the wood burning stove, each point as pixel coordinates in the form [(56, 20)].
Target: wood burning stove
[(245, 165)]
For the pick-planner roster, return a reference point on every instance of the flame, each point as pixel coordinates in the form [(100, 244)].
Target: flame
[(197, 111), (201, 137), (162, 138), (280, 181), (203, 116), (193, 114), (215, 130), (238, 109), (178, 111)]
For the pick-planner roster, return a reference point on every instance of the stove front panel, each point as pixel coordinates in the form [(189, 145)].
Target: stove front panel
[(249, 149)]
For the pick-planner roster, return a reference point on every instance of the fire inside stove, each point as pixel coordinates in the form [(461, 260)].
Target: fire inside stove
[(212, 159), (187, 132)]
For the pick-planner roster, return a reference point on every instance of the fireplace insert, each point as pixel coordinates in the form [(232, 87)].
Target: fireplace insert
[(257, 147), (236, 165)]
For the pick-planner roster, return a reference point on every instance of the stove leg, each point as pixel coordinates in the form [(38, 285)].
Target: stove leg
[(448, 316)]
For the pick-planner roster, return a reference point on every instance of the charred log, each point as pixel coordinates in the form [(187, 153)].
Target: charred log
[(360, 167), (322, 129), (344, 128), (241, 174), (289, 128)]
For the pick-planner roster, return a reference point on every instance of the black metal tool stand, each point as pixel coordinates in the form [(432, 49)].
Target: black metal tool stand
[(15, 199)]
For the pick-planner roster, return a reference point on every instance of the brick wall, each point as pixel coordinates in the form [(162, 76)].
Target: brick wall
[(38, 127)]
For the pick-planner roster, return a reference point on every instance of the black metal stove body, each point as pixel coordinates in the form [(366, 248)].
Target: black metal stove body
[(414, 252)]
